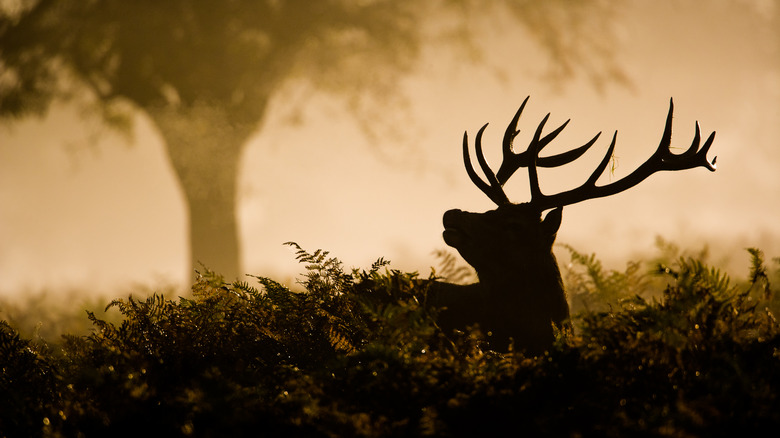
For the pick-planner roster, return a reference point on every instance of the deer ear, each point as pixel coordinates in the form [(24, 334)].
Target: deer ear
[(552, 222)]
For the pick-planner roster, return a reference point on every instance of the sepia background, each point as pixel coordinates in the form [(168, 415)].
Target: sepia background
[(93, 209)]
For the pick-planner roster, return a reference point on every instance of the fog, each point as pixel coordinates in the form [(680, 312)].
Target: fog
[(83, 207)]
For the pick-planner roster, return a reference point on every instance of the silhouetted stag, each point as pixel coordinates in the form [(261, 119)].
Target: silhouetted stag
[(520, 294)]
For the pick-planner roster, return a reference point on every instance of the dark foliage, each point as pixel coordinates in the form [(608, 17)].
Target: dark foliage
[(359, 354)]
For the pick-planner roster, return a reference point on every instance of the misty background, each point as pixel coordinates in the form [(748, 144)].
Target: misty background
[(87, 207)]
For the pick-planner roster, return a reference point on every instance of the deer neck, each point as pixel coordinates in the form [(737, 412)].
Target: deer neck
[(523, 277)]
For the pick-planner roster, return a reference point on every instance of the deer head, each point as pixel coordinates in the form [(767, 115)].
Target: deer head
[(512, 234), (511, 247)]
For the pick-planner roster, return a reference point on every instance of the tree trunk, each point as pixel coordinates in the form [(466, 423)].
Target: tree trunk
[(204, 147), (213, 235)]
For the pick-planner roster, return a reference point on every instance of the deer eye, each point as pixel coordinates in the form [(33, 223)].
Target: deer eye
[(517, 222)]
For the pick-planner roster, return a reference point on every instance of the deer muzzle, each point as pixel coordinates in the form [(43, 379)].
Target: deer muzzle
[(453, 234)]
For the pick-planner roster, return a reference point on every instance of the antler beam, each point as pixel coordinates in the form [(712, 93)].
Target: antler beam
[(662, 159)]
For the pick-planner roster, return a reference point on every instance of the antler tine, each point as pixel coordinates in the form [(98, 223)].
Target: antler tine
[(491, 177), (591, 182), (513, 161), (492, 190), (512, 131), (566, 157), (691, 155), (470, 169), (702, 154), (662, 159), (533, 175)]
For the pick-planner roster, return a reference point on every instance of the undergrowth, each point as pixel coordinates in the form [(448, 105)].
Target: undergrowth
[(676, 350)]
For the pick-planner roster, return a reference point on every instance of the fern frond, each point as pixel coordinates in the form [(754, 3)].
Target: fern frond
[(452, 270), (759, 274)]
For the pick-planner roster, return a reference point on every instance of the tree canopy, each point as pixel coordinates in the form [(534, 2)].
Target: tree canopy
[(205, 71)]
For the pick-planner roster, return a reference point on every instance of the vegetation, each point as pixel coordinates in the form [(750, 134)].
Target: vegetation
[(676, 350)]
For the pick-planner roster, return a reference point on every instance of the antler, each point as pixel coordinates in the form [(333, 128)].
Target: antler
[(513, 161), (662, 159)]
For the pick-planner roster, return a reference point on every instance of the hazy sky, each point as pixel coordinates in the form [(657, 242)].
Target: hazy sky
[(76, 212)]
